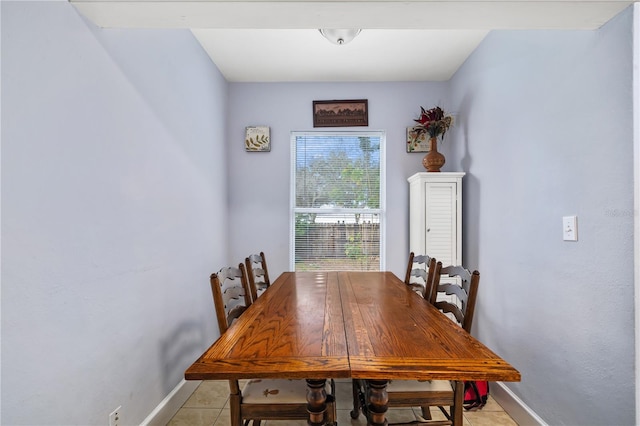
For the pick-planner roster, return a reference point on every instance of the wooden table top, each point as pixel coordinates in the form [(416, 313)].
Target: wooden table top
[(393, 333), (295, 329), (367, 325)]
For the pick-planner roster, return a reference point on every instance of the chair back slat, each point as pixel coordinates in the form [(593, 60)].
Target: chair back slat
[(232, 295), (456, 290), (456, 271), (234, 313), (449, 308), (419, 273)]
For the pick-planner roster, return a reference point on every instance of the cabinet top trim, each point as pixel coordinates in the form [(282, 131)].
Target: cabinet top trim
[(435, 175)]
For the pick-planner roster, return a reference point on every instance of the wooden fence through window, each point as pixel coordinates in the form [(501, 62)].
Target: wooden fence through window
[(353, 245)]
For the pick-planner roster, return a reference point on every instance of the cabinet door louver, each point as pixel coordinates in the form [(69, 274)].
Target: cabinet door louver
[(440, 215)]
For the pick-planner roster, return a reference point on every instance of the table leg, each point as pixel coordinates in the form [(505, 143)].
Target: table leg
[(378, 403), (316, 401), (458, 398)]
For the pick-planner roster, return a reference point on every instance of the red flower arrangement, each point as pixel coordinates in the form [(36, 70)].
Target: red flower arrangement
[(434, 122)]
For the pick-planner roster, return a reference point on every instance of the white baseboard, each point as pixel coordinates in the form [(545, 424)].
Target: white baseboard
[(169, 406), (517, 410)]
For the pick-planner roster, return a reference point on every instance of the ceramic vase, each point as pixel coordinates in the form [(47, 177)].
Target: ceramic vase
[(434, 160)]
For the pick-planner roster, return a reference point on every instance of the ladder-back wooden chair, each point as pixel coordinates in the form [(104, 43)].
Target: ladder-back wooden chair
[(258, 274), (420, 272), (259, 399), (456, 298)]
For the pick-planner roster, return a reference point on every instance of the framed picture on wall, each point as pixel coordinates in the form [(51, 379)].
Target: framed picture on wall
[(257, 139), (417, 141), (347, 113)]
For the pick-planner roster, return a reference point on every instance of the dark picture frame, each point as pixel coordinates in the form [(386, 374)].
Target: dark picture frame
[(346, 113)]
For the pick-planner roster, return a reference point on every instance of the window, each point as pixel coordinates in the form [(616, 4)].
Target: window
[(337, 200)]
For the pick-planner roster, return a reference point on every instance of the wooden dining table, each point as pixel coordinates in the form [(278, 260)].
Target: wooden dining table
[(359, 325)]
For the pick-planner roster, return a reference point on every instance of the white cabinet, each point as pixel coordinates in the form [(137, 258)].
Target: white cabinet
[(435, 216)]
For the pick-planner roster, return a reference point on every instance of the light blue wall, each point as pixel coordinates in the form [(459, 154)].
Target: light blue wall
[(259, 182), (545, 131), (111, 183)]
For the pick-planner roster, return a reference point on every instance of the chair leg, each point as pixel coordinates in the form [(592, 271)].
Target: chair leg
[(234, 409), (355, 386), (426, 412), (332, 414), (458, 400)]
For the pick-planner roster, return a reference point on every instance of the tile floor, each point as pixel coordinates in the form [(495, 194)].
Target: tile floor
[(209, 406)]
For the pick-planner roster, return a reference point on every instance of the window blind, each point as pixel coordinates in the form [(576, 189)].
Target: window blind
[(336, 200)]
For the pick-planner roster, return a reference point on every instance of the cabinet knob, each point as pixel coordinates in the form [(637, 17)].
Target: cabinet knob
[(428, 229)]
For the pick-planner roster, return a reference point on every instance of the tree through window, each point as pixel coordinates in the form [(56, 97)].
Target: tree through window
[(337, 200)]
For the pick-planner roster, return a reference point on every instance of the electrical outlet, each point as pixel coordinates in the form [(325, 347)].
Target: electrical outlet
[(114, 417)]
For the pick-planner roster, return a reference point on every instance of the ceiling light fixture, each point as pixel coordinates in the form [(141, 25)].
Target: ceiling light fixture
[(339, 37)]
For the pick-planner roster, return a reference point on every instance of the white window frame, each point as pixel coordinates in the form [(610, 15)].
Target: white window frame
[(383, 198)]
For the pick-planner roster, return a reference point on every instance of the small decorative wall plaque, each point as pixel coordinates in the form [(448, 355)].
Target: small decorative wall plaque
[(417, 141), (257, 139)]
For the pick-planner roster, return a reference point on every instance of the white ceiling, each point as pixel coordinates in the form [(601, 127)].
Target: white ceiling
[(279, 41)]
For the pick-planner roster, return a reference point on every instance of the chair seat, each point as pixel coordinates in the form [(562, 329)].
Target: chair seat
[(277, 391), (419, 386)]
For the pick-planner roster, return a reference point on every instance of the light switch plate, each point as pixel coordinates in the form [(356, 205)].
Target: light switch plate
[(570, 228)]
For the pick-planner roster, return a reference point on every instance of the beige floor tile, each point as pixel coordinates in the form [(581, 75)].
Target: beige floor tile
[(344, 419), (210, 394), (400, 415), (224, 419), (492, 405), (344, 395), (489, 418), (195, 417)]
